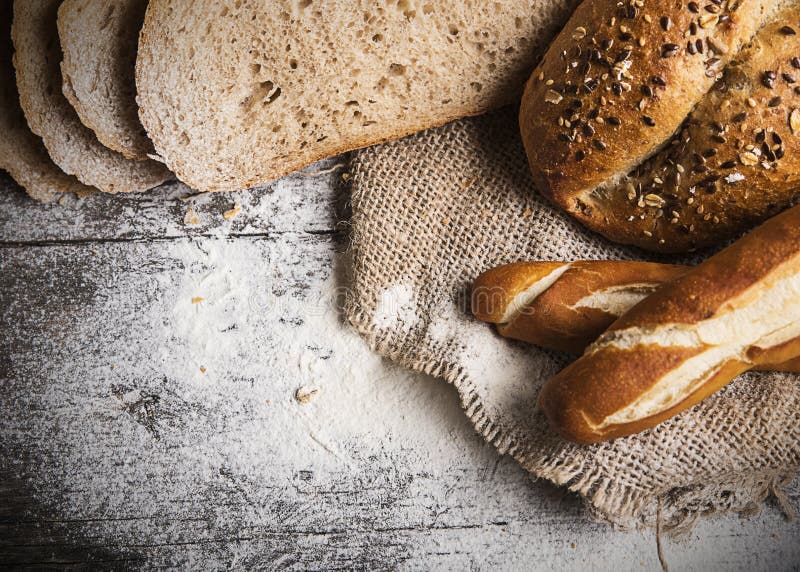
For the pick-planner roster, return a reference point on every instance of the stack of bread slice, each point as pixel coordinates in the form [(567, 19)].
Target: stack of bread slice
[(43, 94), (234, 95)]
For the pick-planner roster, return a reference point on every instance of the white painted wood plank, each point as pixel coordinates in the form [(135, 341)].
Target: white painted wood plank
[(117, 447), (310, 201)]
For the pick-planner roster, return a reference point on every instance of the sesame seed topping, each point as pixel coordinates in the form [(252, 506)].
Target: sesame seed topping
[(794, 121)]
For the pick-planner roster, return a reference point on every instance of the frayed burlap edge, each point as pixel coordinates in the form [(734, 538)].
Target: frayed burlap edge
[(608, 501), (422, 229)]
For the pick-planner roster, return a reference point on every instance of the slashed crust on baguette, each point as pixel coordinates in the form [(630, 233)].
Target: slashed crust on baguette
[(585, 298), (562, 306), (737, 310), (234, 95)]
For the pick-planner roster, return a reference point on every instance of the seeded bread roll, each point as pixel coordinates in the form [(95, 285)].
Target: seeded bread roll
[(617, 84), (733, 164), (566, 306), (71, 145), (22, 153), (737, 310), (99, 40), (236, 95)]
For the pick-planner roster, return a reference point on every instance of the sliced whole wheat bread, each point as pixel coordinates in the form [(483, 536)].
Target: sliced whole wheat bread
[(99, 40), (22, 153), (71, 145), (235, 94)]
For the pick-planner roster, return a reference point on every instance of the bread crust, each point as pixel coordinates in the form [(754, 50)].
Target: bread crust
[(70, 144), (583, 302), (556, 319), (626, 363), (99, 40), (739, 157), (618, 105), (22, 153)]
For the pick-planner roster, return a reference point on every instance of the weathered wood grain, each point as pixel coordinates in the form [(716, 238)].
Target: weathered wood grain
[(118, 450), (312, 201)]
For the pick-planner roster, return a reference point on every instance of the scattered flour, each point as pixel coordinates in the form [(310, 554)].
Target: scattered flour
[(505, 374), (397, 309)]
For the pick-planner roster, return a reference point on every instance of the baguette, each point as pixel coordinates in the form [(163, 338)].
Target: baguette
[(22, 153), (613, 89), (99, 40), (71, 145), (236, 96), (737, 310), (566, 306)]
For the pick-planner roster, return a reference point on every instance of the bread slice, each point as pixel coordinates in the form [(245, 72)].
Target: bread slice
[(233, 95), (22, 153), (71, 145), (99, 40)]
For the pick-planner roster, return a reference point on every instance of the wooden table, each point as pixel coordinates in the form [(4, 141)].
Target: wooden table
[(180, 394)]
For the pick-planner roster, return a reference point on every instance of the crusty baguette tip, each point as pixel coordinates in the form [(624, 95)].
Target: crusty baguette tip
[(737, 310)]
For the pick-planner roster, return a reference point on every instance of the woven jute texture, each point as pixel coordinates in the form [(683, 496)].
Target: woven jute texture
[(434, 210)]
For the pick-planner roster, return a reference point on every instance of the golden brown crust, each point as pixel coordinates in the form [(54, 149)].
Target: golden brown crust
[(555, 319), (735, 162), (581, 396), (706, 291), (561, 317), (583, 400), (494, 290), (613, 89)]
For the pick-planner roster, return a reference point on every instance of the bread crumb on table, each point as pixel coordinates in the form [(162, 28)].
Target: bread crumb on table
[(191, 217), (234, 212), (305, 394)]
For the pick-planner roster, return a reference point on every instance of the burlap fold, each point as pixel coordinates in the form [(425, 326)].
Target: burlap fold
[(430, 213)]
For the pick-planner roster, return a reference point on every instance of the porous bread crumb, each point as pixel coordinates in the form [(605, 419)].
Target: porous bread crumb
[(99, 39), (398, 68)]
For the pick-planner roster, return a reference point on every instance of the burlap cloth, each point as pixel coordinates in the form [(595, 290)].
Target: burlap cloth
[(430, 213)]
